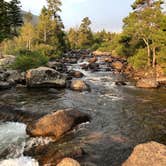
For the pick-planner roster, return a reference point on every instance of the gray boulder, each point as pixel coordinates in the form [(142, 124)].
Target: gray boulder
[(44, 77)]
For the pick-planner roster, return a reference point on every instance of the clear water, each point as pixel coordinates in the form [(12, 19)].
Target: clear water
[(122, 116)]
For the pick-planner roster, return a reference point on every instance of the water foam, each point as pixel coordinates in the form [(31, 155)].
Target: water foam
[(21, 161)]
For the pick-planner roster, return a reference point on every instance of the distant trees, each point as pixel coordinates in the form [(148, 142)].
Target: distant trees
[(85, 34), (82, 37), (10, 18), (147, 23)]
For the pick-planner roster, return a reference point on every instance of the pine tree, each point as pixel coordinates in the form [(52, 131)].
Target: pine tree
[(4, 21), (59, 37), (85, 34), (15, 16)]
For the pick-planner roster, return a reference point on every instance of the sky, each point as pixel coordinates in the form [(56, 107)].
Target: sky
[(104, 14)]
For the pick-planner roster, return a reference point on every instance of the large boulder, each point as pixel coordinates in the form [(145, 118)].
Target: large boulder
[(57, 124), (15, 77), (6, 60), (45, 77), (79, 85), (148, 154), (147, 83), (68, 162), (117, 65)]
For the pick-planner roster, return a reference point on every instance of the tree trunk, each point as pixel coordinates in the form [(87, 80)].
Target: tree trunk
[(45, 36), (154, 57), (148, 49)]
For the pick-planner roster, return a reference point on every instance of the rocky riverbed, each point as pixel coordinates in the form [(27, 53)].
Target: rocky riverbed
[(112, 115)]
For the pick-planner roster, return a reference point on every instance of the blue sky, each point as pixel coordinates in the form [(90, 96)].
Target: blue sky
[(106, 14)]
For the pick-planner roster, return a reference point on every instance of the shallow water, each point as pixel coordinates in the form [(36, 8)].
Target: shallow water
[(122, 116)]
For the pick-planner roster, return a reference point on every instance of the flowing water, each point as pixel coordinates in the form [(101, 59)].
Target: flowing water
[(122, 117)]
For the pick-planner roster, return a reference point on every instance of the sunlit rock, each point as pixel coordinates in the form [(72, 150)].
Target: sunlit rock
[(148, 154)]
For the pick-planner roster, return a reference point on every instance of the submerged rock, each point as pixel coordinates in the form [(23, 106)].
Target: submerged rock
[(147, 83), (120, 83), (52, 153), (76, 74), (57, 123), (68, 162), (94, 66), (148, 154), (92, 60), (5, 85), (79, 85), (45, 77), (58, 66)]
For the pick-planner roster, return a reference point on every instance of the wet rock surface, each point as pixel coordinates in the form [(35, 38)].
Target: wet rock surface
[(79, 85), (75, 74), (57, 124)]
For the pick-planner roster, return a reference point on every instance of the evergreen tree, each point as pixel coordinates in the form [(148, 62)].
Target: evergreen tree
[(4, 21), (85, 34), (15, 16), (58, 39)]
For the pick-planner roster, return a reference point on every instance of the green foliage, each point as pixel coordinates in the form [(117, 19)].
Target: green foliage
[(44, 49), (139, 60), (161, 58), (28, 60), (10, 18)]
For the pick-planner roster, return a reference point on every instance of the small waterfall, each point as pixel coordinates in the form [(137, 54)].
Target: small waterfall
[(12, 142)]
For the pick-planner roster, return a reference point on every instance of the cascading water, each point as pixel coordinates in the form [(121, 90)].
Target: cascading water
[(12, 141)]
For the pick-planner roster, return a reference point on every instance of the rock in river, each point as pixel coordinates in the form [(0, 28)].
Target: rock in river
[(45, 77), (76, 74), (147, 83), (57, 124), (117, 65), (79, 85), (5, 85), (148, 154), (68, 162)]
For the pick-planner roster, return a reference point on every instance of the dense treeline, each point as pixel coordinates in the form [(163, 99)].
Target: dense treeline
[(142, 40)]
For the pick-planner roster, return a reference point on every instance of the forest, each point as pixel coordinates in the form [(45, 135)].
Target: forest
[(142, 40)]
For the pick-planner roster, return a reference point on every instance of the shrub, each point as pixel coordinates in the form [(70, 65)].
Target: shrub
[(28, 60), (45, 49), (161, 58), (139, 60)]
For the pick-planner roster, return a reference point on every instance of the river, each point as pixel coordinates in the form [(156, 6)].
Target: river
[(122, 117)]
